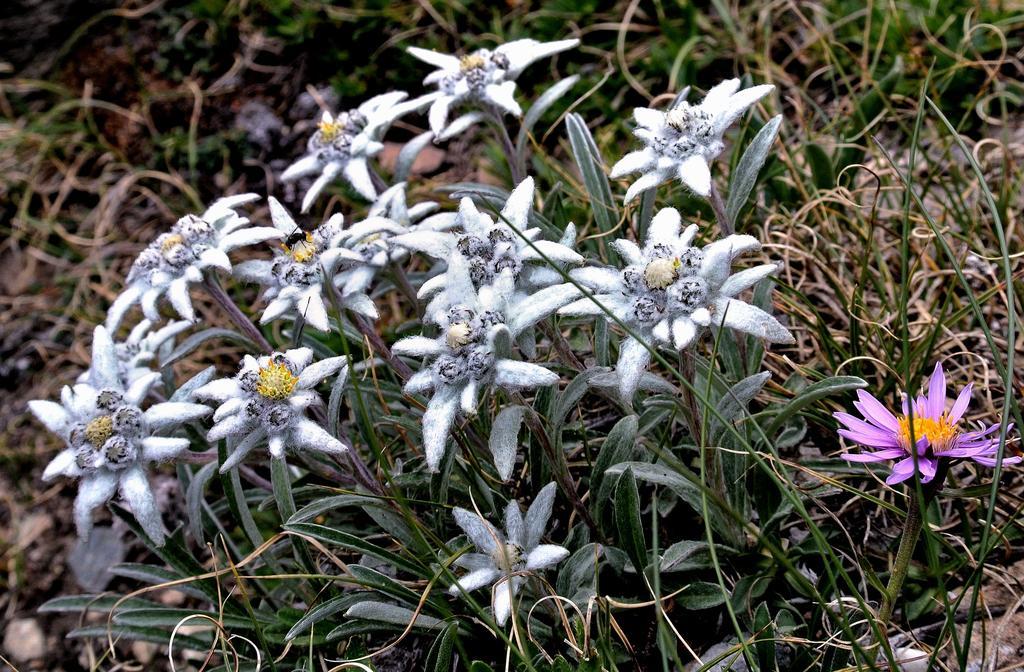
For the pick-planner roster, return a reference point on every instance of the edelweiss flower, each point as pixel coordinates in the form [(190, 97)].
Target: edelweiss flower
[(110, 438), (937, 433), (178, 258), (266, 401), (670, 289), (341, 145), (504, 558), (483, 78), (296, 278), (683, 141), (490, 247), (136, 352), (471, 353), (373, 238)]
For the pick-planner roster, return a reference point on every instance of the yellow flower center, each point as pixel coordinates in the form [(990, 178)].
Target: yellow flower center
[(661, 273), (276, 381), (329, 130), (471, 62), (170, 242), (458, 335), (99, 430), (372, 238), (302, 251), (941, 433)]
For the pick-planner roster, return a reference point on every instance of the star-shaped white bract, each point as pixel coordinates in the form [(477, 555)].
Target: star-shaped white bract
[(343, 144), (373, 238), (670, 289), (503, 558), (491, 247), (482, 79), (682, 142), (110, 438), (136, 353), (266, 402), (295, 280), (178, 258), (473, 351)]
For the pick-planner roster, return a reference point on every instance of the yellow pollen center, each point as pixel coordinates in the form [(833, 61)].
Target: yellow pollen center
[(940, 433), (661, 273), (471, 62), (276, 381), (458, 335), (329, 130), (302, 251), (171, 242), (99, 430)]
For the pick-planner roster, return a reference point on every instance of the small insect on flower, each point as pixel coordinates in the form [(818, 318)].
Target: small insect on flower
[(924, 434)]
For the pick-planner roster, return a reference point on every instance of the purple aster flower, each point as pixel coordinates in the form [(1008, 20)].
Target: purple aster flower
[(936, 432)]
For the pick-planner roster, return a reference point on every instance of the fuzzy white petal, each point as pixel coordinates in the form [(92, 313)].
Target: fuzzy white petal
[(477, 578), (437, 423), (94, 490), (633, 360), (138, 496), (513, 374), (546, 555), (162, 448)]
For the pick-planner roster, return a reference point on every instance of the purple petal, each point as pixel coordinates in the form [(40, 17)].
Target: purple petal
[(859, 426), (876, 412), (990, 462), (867, 439), (963, 400), (878, 456), (901, 471), (927, 466), (937, 392)]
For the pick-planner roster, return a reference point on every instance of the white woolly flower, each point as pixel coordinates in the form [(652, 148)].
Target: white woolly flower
[(504, 558), (177, 259), (295, 280), (373, 238), (484, 78), (342, 145), (472, 353), (266, 402), (670, 289), (137, 352), (681, 142), (491, 247), (110, 438)]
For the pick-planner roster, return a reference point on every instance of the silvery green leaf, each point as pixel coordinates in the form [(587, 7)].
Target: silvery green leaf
[(811, 394), (193, 342), (745, 176), (683, 556), (392, 613), (504, 439), (588, 158), (539, 107), (617, 448), (194, 500), (407, 156), (334, 402), (680, 97), (734, 402), (184, 393)]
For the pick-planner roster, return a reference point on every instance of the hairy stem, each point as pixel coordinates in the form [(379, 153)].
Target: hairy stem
[(517, 171), (235, 313), (718, 205), (911, 531)]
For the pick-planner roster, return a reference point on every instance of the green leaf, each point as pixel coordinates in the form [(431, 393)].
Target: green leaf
[(439, 658), (166, 617), (745, 175), (701, 595), (355, 543), (102, 603), (764, 632), (733, 403), (384, 612), (821, 166), (684, 556), (192, 343), (617, 447), (811, 394), (627, 520), (588, 158), (539, 107), (322, 611), (153, 635), (194, 500), (504, 439)]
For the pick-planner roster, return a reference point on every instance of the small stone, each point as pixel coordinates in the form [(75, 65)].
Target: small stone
[(91, 561), (23, 640), (427, 161)]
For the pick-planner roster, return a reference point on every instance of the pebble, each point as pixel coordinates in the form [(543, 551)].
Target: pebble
[(24, 640)]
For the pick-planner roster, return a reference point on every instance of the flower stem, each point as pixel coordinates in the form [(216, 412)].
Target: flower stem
[(509, 148), (718, 205), (235, 313), (911, 531)]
